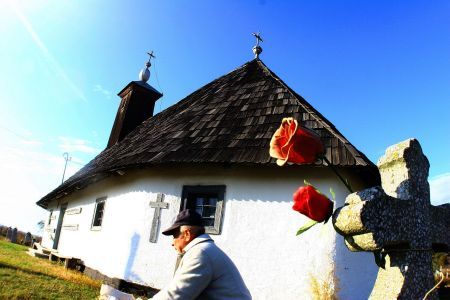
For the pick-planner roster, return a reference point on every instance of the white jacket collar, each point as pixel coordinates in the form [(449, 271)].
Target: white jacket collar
[(200, 239)]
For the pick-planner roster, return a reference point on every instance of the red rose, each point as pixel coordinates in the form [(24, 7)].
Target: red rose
[(295, 144), (312, 204)]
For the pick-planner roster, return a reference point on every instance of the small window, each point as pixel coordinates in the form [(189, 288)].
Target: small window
[(207, 200), (98, 214)]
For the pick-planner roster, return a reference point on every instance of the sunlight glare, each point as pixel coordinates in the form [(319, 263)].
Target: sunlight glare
[(53, 63)]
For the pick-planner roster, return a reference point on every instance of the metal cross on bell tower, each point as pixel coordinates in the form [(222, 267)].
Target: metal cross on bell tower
[(144, 75), (150, 54), (257, 49)]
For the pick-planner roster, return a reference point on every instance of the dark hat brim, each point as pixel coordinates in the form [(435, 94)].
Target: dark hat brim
[(172, 229)]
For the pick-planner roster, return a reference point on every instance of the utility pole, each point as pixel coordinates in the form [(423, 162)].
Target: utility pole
[(66, 158)]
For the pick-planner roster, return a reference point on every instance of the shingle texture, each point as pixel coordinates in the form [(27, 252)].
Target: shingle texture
[(230, 120)]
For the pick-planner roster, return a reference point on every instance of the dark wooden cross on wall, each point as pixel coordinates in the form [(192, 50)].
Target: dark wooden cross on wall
[(398, 221), (157, 205)]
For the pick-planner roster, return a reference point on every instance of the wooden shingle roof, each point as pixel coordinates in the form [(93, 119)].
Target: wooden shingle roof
[(230, 120)]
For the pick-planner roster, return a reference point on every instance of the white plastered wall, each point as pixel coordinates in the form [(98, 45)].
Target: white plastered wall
[(258, 231)]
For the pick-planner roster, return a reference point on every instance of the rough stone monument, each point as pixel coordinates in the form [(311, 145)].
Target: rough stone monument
[(14, 235), (398, 223), (28, 240), (9, 234)]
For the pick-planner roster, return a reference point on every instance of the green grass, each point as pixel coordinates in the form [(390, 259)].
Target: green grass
[(26, 277)]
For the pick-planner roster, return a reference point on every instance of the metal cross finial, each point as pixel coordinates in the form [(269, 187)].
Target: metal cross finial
[(151, 55), (144, 75), (257, 35), (257, 49)]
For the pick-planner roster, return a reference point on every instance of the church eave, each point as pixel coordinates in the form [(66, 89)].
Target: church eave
[(82, 181)]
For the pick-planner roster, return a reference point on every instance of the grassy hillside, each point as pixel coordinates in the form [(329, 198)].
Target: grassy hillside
[(26, 277)]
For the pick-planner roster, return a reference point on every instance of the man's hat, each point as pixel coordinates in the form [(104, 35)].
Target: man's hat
[(185, 217)]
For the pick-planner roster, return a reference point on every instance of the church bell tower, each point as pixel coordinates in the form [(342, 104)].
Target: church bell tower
[(136, 106)]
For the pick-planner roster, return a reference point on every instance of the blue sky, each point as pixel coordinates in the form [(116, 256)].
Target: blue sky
[(379, 71)]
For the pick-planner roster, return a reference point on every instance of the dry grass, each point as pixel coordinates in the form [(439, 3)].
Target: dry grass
[(324, 289), (26, 277)]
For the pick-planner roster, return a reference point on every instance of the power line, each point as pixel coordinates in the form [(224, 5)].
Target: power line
[(159, 86), (13, 132), (66, 158)]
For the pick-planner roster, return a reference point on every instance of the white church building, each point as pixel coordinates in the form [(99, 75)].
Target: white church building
[(210, 151)]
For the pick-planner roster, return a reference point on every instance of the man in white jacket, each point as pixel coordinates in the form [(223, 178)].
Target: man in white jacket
[(205, 271)]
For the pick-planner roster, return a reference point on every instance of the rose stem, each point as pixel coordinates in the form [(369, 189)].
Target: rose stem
[(338, 175)]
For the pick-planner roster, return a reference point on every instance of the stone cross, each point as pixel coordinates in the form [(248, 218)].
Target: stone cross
[(157, 205), (398, 221)]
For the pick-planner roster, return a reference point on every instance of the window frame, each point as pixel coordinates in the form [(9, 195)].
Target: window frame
[(97, 201), (199, 189)]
